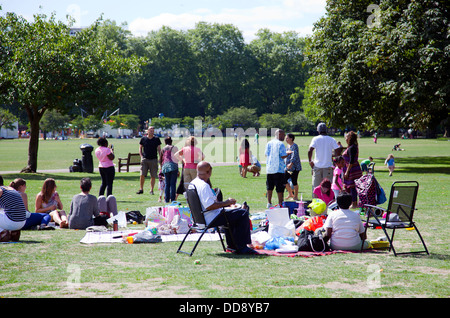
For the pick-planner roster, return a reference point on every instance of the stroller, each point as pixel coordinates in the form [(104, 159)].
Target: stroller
[(369, 191)]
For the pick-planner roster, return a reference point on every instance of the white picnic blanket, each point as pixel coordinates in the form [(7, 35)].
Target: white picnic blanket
[(116, 237)]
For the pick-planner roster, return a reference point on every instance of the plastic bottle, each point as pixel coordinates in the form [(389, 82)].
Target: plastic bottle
[(301, 207), (115, 225)]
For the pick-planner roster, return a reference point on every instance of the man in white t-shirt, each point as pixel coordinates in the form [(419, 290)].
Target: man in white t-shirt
[(238, 218), (322, 166), (344, 227)]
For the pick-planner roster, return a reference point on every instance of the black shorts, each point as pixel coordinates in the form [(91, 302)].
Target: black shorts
[(293, 177), (277, 181)]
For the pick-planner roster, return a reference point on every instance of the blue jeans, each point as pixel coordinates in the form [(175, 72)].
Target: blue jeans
[(170, 190), (37, 219)]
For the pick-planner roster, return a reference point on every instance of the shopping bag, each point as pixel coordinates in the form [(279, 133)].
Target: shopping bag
[(280, 224)]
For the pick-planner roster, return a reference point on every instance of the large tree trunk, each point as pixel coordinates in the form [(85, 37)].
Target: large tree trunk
[(33, 146)]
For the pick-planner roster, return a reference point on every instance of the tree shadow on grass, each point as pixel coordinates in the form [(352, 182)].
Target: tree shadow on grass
[(70, 176), (428, 165)]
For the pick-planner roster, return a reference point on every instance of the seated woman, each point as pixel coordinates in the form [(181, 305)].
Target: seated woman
[(83, 208), (12, 213), (48, 201), (323, 191), (37, 221), (344, 228)]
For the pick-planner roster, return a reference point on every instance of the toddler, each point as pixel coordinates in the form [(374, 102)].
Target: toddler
[(390, 162), (338, 176), (161, 186)]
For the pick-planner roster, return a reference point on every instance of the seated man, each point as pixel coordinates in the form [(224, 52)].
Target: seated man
[(344, 227), (238, 218), (83, 208)]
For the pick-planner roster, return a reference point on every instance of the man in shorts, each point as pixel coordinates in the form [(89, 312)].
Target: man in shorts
[(275, 165), (322, 165), (149, 149)]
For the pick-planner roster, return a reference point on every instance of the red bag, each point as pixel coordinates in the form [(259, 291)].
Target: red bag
[(311, 224)]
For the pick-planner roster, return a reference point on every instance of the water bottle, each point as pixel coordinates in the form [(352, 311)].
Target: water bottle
[(301, 207)]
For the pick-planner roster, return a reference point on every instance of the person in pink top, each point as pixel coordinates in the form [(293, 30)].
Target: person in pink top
[(191, 156), (105, 156), (323, 191), (338, 176)]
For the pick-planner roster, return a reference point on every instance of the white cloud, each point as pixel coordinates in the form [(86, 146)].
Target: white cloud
[(287, 15)]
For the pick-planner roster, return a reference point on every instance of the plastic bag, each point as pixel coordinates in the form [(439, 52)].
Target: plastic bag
[(180, 225), (146, 237), (280, 224), (277, 242), (259, 239), (153, 216), (121, 219)]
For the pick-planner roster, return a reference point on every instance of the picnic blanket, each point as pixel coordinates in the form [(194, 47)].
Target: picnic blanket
[(313, 254), (300, 253), (116, 237)]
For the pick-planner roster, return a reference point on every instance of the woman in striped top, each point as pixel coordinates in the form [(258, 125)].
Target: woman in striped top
[(12, 213)]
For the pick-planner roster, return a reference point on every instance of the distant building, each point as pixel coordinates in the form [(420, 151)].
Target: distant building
[(10, 133), (74, 31)]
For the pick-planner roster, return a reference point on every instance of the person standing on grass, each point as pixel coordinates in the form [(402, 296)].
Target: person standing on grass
[(352, 169), (323, 145), (293, 167), (105, 156), (48, 201), (390, 162), (169, 167), (13, 213), (149, 150), (191, 155), (275, 165)]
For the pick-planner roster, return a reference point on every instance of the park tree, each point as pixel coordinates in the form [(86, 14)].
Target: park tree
[(53, 120), (280, 72), (125, 121), (225, 65), (378, 65), (7, 119), (45, 68)]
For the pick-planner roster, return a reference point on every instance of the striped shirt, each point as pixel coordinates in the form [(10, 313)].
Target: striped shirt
[(12, 203)]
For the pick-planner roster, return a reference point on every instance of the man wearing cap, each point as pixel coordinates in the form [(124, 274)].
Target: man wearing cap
[(322, 166)]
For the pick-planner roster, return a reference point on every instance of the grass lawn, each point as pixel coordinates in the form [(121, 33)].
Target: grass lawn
[(45, 263)]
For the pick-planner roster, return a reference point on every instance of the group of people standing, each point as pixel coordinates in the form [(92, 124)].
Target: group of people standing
[(334, 169), (168, 158)]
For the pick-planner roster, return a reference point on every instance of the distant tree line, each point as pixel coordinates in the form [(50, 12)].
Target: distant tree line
[(210, 69)]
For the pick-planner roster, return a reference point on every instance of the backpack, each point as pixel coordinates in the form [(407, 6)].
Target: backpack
[(366, 186), (310, 242)]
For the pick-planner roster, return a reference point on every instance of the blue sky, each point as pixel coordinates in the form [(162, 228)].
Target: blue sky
[(144, 16)]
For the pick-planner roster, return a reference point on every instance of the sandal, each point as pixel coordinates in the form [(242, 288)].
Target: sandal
[(5, 236), (15, 236)]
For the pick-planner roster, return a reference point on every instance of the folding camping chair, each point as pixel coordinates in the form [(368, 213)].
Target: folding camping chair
[(399, 213), (199, 223)]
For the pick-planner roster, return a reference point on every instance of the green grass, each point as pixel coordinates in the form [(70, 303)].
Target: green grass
[(40, 265)]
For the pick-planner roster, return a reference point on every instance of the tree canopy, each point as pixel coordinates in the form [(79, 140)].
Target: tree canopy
[(45, 68), (380, 65)]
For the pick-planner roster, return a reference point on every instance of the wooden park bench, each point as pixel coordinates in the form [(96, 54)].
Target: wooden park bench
[(133, 159)]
